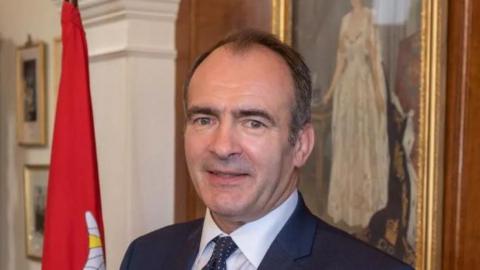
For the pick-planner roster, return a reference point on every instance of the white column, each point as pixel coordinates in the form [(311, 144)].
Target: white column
[(132, 71)]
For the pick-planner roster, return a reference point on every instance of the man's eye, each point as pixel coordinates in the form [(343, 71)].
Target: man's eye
[(254, 124), (203, 121)]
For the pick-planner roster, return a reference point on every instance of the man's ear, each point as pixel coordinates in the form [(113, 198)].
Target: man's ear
[(304, 145)]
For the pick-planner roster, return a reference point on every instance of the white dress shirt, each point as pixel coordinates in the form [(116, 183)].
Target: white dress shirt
[(253, 239)]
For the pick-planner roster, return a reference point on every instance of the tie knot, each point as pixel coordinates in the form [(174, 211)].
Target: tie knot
[(224, 247)]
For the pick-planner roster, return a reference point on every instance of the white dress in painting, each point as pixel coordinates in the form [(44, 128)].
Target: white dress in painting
[(360, 157)]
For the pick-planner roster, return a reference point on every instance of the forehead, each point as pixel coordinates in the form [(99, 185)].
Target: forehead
[(256, 71)]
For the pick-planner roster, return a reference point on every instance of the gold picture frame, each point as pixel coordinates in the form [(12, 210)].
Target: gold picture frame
[(428, 148), (31, 107), (36, 183)]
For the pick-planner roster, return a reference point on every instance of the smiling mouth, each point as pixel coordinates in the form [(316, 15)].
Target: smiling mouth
[(227, 174)]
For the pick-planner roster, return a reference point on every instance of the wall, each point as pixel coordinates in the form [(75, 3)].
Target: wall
[(197, 30), (18, 18), (131, 45), (132, 66), (461, 222)]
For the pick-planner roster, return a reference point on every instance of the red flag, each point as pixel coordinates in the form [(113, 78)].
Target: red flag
[(74, 226)]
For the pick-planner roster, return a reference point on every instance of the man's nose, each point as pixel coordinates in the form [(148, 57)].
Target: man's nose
[(225, 143)]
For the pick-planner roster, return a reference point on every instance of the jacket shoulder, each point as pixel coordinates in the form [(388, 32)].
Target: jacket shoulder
[(166, 234), (343, 251), (156, 247)]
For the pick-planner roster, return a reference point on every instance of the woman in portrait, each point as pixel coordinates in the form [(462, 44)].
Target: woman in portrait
[(360, 157)]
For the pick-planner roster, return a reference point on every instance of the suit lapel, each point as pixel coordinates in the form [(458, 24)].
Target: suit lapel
[(294, 241), (277, 258), (186, 257)]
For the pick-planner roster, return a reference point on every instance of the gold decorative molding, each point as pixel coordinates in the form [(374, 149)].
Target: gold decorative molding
[(429, 209), (282, 20)]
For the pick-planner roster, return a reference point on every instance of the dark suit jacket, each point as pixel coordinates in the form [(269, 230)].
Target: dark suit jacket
[(305, 242)]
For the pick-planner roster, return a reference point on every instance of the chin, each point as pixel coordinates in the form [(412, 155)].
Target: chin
[(227, 207), (225, 212)]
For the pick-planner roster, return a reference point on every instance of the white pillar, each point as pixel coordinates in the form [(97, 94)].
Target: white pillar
[(132, 77)]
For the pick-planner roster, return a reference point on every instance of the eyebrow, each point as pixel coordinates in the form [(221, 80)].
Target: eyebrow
[(254, 112), (239, 113), (201, 110)]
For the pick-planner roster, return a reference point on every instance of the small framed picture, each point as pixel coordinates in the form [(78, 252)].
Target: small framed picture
[(31, 124), (36, 182)]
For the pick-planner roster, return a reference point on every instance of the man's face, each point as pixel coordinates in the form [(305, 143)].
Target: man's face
[(236, 136)]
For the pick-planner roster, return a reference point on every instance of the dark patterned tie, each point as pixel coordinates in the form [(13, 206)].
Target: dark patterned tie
[(224, 247)]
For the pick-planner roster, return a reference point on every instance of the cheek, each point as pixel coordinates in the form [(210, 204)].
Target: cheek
[(193, 143), (264, 153), (272, 156), (194, 150)]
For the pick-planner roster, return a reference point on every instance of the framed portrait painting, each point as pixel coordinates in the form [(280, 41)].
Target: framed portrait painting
[(36, 182), (375, 171), (31, 124)]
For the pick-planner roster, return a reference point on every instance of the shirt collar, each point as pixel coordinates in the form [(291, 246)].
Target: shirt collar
[(264, 230)]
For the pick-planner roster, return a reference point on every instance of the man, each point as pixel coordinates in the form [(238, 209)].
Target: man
[(247, 134)]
